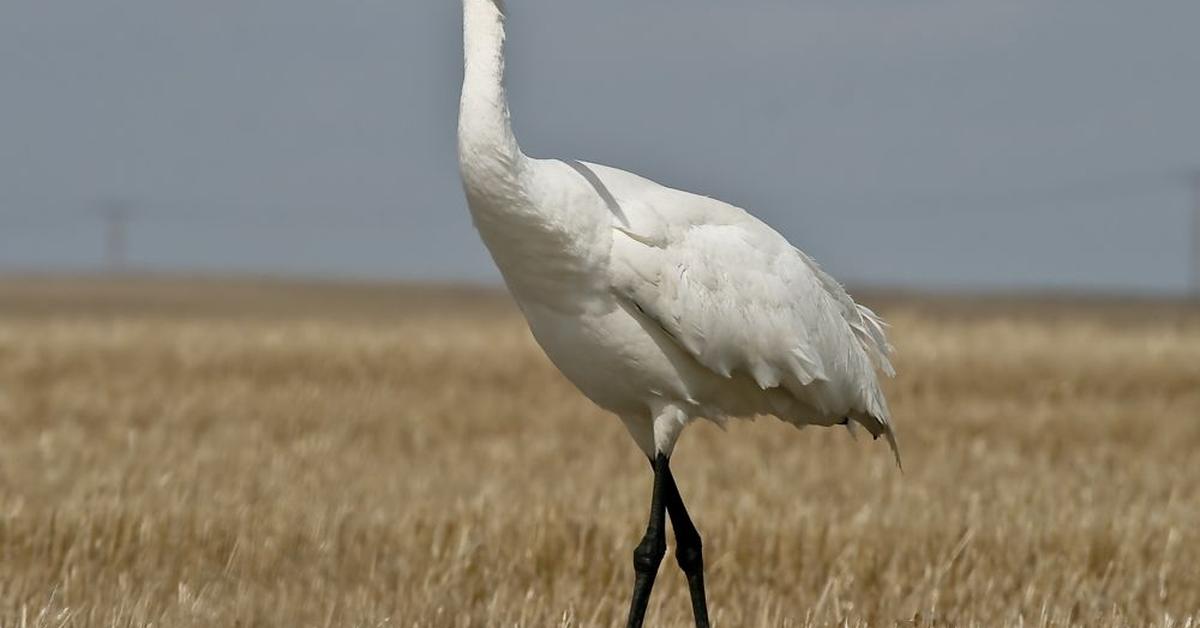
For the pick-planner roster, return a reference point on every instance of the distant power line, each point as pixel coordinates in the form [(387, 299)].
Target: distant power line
[(118, 218), (1078, 193), (176, 212)]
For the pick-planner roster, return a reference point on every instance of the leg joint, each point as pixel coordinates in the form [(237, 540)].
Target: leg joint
[(649, 554), (690, 555)]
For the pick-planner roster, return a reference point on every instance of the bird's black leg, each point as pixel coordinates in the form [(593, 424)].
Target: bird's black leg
[(649, 553), (687, 549)]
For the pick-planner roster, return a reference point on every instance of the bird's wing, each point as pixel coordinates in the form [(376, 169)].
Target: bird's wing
[(740, 299)]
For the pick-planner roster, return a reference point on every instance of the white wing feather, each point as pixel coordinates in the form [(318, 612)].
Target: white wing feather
[(740, 299)]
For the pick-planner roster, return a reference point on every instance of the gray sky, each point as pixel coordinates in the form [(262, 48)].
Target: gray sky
[(936, 143)]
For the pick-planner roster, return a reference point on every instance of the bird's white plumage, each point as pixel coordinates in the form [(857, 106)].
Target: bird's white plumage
[(660, 305)]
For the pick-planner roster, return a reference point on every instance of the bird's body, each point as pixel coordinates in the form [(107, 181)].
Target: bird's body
[(660, 305)]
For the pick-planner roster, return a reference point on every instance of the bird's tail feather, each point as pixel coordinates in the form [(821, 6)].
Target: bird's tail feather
[(880, 427)]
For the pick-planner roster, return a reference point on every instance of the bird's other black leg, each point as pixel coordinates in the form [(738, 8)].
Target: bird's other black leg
[(649, 553), (687, 549)]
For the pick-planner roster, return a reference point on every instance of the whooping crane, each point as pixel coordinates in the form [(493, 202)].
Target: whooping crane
[(660, 305)]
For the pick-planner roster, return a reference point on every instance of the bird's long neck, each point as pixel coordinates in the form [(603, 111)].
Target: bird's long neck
[(485, 138)]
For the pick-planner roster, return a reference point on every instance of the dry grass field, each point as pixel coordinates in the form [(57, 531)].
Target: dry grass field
[(202, 453)]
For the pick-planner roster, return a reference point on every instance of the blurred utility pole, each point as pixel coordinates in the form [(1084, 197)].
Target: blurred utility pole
[(116, 217), (1196, 233)]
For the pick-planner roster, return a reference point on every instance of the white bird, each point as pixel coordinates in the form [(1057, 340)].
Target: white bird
[(661, 306)]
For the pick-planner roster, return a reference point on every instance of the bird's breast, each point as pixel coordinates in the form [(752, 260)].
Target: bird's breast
[(550, 252)]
